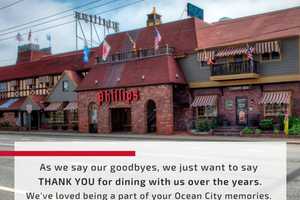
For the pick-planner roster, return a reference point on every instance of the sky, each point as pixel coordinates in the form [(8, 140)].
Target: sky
[(131, 14)]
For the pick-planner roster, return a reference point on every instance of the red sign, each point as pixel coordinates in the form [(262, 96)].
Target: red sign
[(118, 95)]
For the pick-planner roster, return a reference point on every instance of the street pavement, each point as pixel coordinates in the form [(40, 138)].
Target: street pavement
[(7, 164)]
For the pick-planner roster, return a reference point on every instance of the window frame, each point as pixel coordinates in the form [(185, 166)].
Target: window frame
[(275, 107), (206, 110), (270, 58), (65, 83)]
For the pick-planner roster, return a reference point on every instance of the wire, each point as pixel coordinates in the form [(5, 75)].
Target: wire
[(12, 4), (69, 22), (49, 16), (55, 19)]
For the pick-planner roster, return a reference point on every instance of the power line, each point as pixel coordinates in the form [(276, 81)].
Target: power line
[(12, 4), (69, 22), (55, 19), (49, 16)]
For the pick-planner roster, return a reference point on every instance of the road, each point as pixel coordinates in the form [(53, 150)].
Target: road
[(7, 164)]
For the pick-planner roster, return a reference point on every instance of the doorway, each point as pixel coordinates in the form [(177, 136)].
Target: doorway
[(93, 118), (35, 120), (121, 119), (151, 116), (242, 111)]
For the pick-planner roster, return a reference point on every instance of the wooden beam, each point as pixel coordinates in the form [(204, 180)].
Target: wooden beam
[(260, 80), (234, 77)]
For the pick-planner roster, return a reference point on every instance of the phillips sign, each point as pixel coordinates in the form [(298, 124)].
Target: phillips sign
[(117, 95)]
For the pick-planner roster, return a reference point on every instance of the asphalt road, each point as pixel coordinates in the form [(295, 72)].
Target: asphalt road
[(7, 164)]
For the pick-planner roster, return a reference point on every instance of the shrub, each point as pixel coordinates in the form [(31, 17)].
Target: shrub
[(247, 131), (266, 124), (294, 121), (202, 125), (295, 130), (258, 131), (5, 125)]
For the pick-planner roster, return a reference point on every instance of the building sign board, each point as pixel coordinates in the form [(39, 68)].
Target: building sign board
[(97, 20), (118, 95)]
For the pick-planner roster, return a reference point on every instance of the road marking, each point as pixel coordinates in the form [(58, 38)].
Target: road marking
[(12, 190), (7, 189), (6, 144)]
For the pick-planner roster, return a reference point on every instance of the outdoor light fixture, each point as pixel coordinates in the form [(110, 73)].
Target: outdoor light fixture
[(143, 77)]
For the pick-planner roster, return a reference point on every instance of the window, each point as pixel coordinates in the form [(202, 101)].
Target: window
[(271, 56), (207, 111), (74, 116), (65, 86), (276, 109), (57, 117), (238, 58)]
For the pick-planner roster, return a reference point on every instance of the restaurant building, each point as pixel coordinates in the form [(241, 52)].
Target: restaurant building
[(238, 71)]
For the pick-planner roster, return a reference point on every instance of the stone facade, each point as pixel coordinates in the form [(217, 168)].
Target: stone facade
[(254, 95), (162, 95)]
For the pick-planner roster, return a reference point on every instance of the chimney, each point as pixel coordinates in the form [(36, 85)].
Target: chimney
[(154, 19), (31, 52)]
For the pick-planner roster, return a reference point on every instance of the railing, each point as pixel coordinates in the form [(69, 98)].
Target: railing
[(242, 67), (137, 54)]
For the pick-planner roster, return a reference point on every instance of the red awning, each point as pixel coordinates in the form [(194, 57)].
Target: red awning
[(204, 101), (54, 107), (231, 51), (276, 98), (71, 106)]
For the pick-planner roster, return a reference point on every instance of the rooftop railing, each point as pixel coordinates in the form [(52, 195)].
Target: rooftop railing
[(136, 54), (232, 68)]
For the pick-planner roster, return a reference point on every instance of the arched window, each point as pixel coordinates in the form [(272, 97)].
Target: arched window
[(93, 117), (151, 116)]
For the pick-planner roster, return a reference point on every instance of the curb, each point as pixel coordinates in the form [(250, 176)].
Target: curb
[(154, 137)]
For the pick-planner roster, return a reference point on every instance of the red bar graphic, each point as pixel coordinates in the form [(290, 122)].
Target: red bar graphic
[(67, 153)]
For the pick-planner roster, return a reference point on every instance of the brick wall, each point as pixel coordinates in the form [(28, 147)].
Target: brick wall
[(254, 95), (162, 95)]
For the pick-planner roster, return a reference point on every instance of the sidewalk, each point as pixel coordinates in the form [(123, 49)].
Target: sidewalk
[(175, 137)]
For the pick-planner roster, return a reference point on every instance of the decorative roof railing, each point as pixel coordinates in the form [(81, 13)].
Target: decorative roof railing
[(136, 54)]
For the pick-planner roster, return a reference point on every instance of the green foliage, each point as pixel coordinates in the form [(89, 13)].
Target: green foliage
[(5, 125), (295, 130), (266, 124), (205, 125), (293, 121), (258, 131), (202, 125), (248, 131)]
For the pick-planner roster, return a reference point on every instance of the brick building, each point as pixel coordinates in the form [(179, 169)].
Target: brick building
[(201, 70)]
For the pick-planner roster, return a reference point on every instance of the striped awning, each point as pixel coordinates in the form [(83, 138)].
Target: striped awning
[(204, 101), (54, 107), (205, 55), (231, 51), (276, 98), (8, 103), (267, 47), (71, 106)]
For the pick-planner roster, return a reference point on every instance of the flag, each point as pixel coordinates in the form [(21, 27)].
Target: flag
[(86, 53), (132, 42), (157, 39), (29, 36), (249, 53), (210, 61), (105, 50), (19, 37), (48, 37)]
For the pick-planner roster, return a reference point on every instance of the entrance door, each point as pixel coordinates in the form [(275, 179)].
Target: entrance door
[(242, 111), (151, 117), (93, 118), (121, 119), (35, 120)]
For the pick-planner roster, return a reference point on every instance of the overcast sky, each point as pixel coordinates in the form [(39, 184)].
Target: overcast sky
[(131, 17)]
